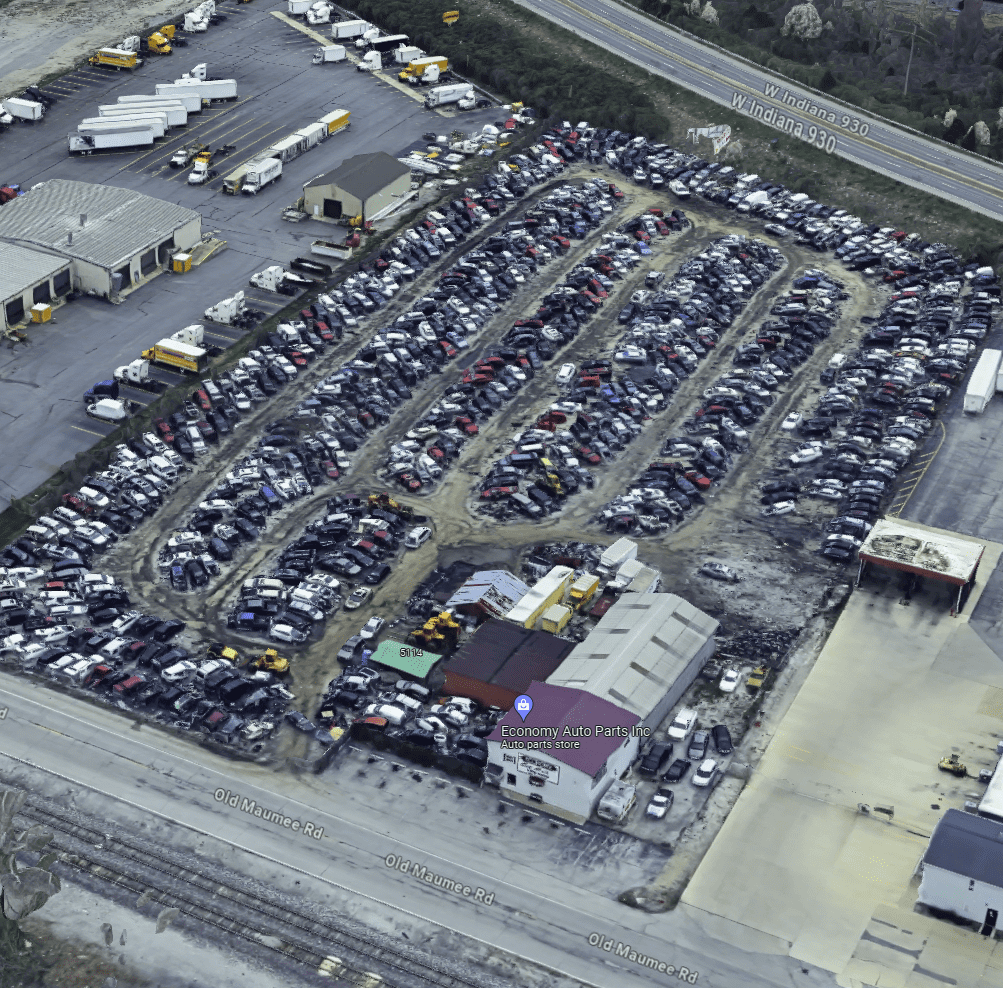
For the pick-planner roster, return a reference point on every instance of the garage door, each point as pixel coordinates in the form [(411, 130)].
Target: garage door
[(332, 209), (41, 293), (61, 283), (148, 261), (15, 311)]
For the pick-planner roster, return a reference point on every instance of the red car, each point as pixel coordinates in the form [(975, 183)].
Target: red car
[(166, 433), (330, 469), (296, 357), (655, 211), (78, 505), (642, 236), (698, 479), (663, 227), (367, 420), (494, 493), (409, 481), (561, 242), (448, 348), (594, 459), (202, 400), (466, 424)]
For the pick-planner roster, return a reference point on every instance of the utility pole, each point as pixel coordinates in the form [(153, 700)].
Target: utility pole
[(912, 47)]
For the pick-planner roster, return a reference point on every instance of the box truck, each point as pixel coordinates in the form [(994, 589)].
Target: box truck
[(24, 109), (234, 182), (423, 69), (175, 116), (442, 95), (319, 13), (192, 102), (383, 45), (982, 383), (372, 61), (329, 53), (406, 54), (104, 125), (335, 120), (346, 30), (118, 140), (288, 148), (181, 356), (260, 174), (208, 89), (115, 58)]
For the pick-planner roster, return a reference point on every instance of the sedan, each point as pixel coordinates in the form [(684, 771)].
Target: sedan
[(705, 774), (660, 803), (783, 508), (722, 739), (565, 374), (718, 571), (729, 681), (372, 628), (357, 598), (655, 759), (804, 456), (677, 770), (792, 422)]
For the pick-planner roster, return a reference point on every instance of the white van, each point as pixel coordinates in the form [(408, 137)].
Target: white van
[(394, 715), (163, 469), (683, 723)]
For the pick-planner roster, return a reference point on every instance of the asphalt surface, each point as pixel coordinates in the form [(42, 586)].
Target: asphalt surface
[(907, 157), (545, 905), (41, 407)]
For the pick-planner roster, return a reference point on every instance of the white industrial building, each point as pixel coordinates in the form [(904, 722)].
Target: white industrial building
[(527, 762), (642, 655), (113, 239), (963, 869), (29, 277)]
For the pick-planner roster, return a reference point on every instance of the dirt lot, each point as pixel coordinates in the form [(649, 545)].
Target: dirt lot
[(782, 583)]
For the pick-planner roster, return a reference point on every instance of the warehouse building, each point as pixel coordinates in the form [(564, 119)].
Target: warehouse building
[(642, 655), (500, 660), (29, 277), (364, 185), (963, 869), (571, 747), (113, 239), (405, 659), (489, 593)]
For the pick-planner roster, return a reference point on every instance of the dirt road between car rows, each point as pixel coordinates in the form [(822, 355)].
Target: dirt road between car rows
[(783, 582)]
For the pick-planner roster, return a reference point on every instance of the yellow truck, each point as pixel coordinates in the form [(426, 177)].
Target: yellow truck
[(335, 120), (158, 44), (115, 58), (181, 356), (429, 69)]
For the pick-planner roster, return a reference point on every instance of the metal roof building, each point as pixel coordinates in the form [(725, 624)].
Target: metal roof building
[(365, 184), (500, 660), (923, 552), (488, 593), (963, 868), (113, 238), (642, 655), (408, 659), (29, 277)]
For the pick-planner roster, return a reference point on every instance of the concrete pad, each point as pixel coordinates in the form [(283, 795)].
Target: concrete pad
[(898, 685)]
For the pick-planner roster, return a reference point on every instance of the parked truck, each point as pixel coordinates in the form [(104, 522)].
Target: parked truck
[(129, 140), (157, 122), (406, 54), (191, 335), (372, 61), (320, 13), (137, 374), (181, 356), (617, 802), (274, 279), (311, 134), (297, 8), (24, 109), (384, 45), (982, 383), (174, 116), (336, 120), (115, 58), (158, 43), (234, 182), (192, 102), (443, 95), (260, 174), (329, 53), (288, 148), (424, 70), (211, 90), (228, 311), (347, 30), (195, 22)]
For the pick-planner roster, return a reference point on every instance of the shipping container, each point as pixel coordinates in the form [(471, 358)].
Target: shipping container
[(335, 120), (192, 102), (983, 382)]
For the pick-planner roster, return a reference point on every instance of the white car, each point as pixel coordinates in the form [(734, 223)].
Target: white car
[(178, 672), (68, 610), (287, 633), (780, 508), (729, 681), (372, 628), (803, 456), (54, 635), (565, 374), (792, 421), (357, 598), (705, 774), (417, 537), (659, 804)]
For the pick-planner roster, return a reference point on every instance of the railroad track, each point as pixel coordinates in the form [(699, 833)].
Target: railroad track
[(273, 921)]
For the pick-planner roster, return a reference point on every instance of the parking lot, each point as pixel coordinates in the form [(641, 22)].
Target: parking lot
[(279, 90)]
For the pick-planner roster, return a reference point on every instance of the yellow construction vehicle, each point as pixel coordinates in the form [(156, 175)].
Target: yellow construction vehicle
[(385, 501), (270, 661), (217, 650), (756, 678), (439, 633), (954, 765)]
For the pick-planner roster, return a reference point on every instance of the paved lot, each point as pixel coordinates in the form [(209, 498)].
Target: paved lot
[(279, 91), (898, 684)]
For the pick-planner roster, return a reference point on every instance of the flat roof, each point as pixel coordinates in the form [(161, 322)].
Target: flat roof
[(991, 803), (560, 707), (968, 845), (637, 650), (21, 267), (405, 658), (911, 548), (119, 222), (500, 660)]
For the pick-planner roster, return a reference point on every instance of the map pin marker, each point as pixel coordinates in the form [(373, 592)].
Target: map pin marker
[(523, 705)]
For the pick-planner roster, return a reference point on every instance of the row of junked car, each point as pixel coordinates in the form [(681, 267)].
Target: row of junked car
[(881, 402), (670, 331), (498, 376)]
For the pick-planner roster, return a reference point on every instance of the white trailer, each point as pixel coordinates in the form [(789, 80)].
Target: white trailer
[(297, 8), (329, 53), (192, 102), (288, 148), (176, 115), (155, 122), (211, 90), (442, 95), (118, 140), (234, 182), (345, 30), (260, 174), (312, 134), (406, 54), (982, 383), (23, 109)]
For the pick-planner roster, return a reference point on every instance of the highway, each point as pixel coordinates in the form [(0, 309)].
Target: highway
[(535, 911), (844, 131)]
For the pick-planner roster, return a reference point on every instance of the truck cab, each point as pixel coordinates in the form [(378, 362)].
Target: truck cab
[(201, 172)]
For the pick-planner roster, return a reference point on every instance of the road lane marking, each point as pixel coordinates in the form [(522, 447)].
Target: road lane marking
[(100, 435)]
